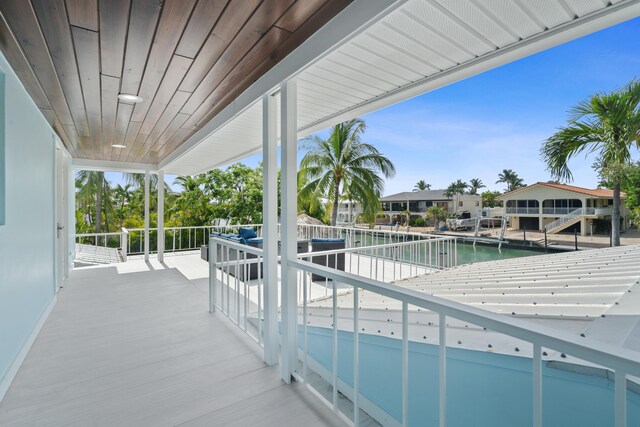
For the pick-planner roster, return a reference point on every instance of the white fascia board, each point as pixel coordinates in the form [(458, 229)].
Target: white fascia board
[(214, 165), (113, 166), (571, 30), (354, 19)]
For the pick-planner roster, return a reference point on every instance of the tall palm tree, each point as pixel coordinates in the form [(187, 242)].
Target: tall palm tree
[(95, 193), (474, 185), (421, 186), (343, 164), (607, 124), (122, 195), (137, 179), (455, 190), (510, 178)]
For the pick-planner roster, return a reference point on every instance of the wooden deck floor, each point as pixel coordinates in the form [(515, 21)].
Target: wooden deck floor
[(140, 349)]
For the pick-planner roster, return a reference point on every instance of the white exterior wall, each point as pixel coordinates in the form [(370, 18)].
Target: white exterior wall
[(542, 193)]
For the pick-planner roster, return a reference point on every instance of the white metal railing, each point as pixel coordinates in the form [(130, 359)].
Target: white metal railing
[(571, 216), (113, 240), (622, 362), (526, 211), (557, 211), (391, 261), (236, 284), (602, 211), (243, 302), (177, 239)]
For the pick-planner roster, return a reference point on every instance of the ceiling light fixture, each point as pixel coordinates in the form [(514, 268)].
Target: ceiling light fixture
[(118, 146), (127, 97)]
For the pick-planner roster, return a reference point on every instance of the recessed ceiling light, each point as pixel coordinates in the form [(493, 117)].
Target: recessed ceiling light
[(127, 97), (118, 146)]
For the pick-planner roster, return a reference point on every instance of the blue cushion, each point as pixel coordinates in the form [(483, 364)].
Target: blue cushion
[(247, 233), (325, 240), (254, 241), (235, 238)]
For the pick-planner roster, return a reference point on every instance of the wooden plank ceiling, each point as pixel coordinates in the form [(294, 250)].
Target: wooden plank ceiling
[(187, 59)]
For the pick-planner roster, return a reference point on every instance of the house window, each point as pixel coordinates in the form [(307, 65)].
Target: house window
[(460, 204), (3, 192), (477, 203)]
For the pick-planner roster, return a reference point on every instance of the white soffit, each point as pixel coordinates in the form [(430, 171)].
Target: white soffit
[(418, 47)]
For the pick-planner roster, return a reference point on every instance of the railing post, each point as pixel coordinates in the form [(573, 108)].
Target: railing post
[(270, 228), (289, 162), (621, 398), (124, 241), (405, 363), (537, 386), (160, 235), (146, 215), (213, 274), (443, 370)]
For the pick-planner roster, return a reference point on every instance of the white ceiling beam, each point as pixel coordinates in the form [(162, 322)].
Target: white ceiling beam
[(113, 166)]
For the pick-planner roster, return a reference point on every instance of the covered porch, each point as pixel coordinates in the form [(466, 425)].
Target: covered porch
[(134, 344)]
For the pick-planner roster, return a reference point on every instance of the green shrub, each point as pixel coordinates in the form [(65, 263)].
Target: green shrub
[(419, 222)]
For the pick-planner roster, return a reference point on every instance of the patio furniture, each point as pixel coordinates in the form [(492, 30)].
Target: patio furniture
[(333, 261)]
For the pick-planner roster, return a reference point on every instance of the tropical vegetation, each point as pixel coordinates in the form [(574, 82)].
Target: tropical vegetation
[(490, 199), (436, 215), (455, 190), (234, 194), (511, 178), (343, 165), (421, 186), (475, 184), (607, 124)]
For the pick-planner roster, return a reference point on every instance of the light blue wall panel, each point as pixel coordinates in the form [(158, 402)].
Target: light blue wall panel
[(27, 237)]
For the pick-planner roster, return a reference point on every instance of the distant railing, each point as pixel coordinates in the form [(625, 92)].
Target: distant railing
[(525, 211), (557, 211), (113, 240), (571, 216)]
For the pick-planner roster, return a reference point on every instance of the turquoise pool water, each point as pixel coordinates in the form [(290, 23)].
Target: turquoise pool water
[(483, 389), (467, 253)]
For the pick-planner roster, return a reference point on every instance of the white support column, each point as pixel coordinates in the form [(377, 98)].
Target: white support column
[(161, 216), (289, 182), (270, 227), (146, 216)]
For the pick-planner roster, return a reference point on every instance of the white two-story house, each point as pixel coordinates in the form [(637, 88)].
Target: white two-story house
[(562, 208), (393, 206)]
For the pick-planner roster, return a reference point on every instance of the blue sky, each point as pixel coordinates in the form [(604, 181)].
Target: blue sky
[(498, 119)]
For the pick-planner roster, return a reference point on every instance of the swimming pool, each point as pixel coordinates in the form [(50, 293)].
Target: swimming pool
[(467, 252), (483, 389)]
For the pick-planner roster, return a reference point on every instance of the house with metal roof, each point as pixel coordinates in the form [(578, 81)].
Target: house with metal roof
[(561, 207)]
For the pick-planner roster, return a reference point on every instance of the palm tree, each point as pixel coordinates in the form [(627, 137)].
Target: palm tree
[(407, 215), (344, 164), (436, 214), (95, 192), (456, 189), (421, 186), (510, 178), (474, 185), (606, 123), (122, 195), (137, 179)]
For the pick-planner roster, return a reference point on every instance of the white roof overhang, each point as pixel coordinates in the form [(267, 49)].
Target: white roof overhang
[(377, 53)]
